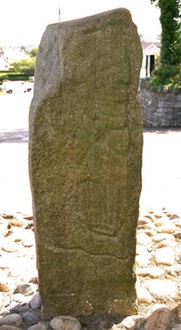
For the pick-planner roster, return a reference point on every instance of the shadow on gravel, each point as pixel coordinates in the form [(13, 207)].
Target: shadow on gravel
[(14, 136)]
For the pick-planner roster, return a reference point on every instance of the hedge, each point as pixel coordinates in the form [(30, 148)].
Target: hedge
[(13, 76)]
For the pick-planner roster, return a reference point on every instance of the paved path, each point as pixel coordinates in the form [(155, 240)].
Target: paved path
[(162, 170), (14, 181), (161, 161)]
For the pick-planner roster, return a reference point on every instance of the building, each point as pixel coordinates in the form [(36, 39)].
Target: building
[(151, 49)]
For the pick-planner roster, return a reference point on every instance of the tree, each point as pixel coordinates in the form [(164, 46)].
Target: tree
[(23, 48), (33, 52), (25, 66), (171, 31), (167, 75)]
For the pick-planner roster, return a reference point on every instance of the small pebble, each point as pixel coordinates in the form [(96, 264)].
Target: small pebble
[(131, 322), (143, 238), (35, 301), (177, 327), (143, 296), (19, 298), (39, 326), (142, 261), (162, 289), (4, 287), (19, 308), (9, 327), (164, 256), (152, 272), (167, 227), (65, 322), (11, 319), (31, 317), (7, 216), (24, 289)]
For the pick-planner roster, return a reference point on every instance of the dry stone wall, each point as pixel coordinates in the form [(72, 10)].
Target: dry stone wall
[(160, 109)]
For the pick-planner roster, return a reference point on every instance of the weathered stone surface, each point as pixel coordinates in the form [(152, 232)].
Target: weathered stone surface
[(162, 289), (177, 327), (130, 323), (159, 319), (165, 255), (178, 309), (4, 286), (144, 296), (24, 289), (35, 301), (12, 319), (85, 156), (39, 326), (9, 327), (31, 317), (65, 322)]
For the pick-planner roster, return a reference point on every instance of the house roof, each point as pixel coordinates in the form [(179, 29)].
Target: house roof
[(150, 47)]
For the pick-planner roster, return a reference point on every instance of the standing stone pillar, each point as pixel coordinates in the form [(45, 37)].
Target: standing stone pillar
[(85, 155)]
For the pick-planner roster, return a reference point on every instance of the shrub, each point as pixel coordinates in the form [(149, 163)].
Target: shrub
[(166, 78), (9, 75), (26, 66)]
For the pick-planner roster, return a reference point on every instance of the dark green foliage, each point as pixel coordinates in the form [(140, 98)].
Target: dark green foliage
[(9, 75), (166, 78), (21, 70), (33, 52), (166, 73), (25, 66), (171, 31)]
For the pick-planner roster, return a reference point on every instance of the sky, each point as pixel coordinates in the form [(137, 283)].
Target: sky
[(23, 22)]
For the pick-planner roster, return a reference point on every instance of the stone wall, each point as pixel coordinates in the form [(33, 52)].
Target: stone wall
[(160, 109)]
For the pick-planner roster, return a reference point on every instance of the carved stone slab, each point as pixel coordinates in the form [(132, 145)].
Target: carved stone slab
[(85, 155)]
